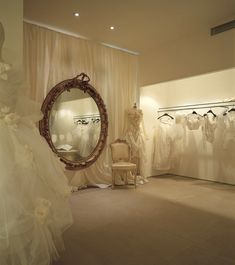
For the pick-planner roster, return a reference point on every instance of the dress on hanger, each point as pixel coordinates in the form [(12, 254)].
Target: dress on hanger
[(178, 137), (229, 129), (163, 144), (85, 143), (193, 121), (34, 209), (209, 126), (94, 134)]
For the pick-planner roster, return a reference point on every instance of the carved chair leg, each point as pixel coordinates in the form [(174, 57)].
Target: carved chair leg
[(126, 177), (113, 178), (135, 178)]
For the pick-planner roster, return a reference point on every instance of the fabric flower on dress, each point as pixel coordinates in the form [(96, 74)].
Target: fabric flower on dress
[(4, 67), (67, 191), (12, 119), (44, 202), (4, 110), (42, 210), (24, 157)]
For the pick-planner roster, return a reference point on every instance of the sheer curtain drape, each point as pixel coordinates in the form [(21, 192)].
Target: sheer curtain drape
[(50, 57)]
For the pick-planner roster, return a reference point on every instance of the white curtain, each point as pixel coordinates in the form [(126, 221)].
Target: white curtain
[(50, 57)]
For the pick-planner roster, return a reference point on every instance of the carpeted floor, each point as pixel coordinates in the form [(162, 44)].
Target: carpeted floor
[(169, 221)]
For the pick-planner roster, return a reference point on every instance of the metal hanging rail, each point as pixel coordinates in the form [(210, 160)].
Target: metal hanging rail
[(86, 116), (217, 104)]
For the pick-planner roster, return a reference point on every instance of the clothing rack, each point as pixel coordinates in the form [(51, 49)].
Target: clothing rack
[(216, 104), (84, 119)]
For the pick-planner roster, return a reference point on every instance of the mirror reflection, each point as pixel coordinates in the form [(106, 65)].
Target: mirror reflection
[(74, 124)]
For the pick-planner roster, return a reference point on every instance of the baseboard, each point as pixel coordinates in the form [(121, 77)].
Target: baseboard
[(176, 175)]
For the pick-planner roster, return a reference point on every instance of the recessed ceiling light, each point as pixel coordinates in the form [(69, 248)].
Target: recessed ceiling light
[(76, 14), (112, 27)]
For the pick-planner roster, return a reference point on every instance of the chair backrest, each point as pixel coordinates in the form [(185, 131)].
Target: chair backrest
[(120, 151)]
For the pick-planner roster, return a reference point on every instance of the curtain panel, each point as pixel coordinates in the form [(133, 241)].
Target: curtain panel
[(50, 57)]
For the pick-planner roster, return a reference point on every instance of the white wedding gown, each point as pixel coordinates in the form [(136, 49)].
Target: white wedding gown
[(163, 144), (34, 208), (135, 136)]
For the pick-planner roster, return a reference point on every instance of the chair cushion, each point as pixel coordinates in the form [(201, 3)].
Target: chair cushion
[(120, 152), (123, 166)]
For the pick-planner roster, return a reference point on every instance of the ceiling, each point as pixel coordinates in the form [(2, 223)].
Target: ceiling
[(140, 25)]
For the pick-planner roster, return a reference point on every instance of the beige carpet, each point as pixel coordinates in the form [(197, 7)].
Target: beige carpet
[(169, 221)]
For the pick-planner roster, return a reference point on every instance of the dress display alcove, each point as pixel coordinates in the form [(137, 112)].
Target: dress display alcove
[(199, 141)]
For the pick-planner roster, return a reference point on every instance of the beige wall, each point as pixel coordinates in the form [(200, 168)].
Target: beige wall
[(198, 160), (11, 16), (190, 56), (67, 110)]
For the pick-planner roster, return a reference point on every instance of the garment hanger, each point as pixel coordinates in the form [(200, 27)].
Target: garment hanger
[(85, 122), (78, 121), (195, 113), (210, 111), (96, 120), (135, 106), (232, 109), (165, 114)]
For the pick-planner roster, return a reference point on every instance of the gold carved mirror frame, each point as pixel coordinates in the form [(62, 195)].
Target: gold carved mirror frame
[(80, 82)]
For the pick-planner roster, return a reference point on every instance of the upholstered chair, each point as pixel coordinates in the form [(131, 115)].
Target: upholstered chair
[(121, 158)]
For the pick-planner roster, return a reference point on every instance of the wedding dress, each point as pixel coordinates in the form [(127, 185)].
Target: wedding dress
[(229, 130), (163, 144), (134, 135), (178, 132), (193, 121), (34, 209), (209, 126)]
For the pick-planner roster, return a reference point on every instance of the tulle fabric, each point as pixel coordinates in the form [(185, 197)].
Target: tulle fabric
[(34, 210), (34, 192)]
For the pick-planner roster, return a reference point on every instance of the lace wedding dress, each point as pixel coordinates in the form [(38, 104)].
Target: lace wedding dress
[(34, 210), (135, 136)]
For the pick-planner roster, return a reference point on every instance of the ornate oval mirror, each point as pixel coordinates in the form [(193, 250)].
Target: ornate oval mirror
[(75, 122)]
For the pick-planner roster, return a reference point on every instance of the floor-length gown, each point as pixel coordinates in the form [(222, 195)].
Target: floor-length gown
[(163, 144), (135, 136), (34, 210)]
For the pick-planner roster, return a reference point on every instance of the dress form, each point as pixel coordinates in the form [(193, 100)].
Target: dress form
[(135, 136)]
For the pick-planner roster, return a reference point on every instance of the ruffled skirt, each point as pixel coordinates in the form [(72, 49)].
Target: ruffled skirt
[(34, 208)]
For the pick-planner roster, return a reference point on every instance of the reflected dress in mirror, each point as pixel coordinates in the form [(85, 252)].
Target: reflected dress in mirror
[(74, 115)]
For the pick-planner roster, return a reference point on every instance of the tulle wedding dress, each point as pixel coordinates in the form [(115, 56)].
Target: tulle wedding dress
[(34, 210)]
